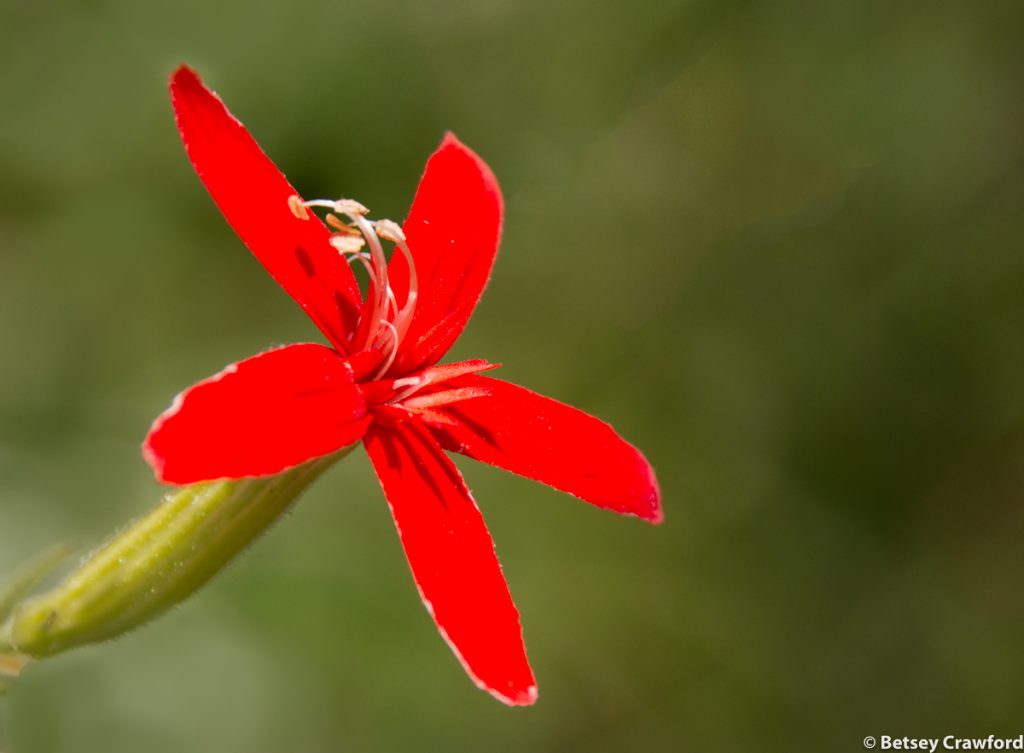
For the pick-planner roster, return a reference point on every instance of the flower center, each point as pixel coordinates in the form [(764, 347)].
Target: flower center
[(382, 324)]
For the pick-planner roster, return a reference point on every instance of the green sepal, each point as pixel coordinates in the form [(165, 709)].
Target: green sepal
[(157, 561), (30, 575)]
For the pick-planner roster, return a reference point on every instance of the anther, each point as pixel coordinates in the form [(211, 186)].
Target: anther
[(298, 208), (347, 244), (389, 231), (341, 226), (350, 207)]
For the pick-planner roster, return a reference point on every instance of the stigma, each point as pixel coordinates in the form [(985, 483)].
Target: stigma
[(382, 323)]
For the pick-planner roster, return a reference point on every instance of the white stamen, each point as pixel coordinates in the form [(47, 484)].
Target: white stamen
[(364, 259), (390, 231), (404, 317), (392, 303), (322, 203), (394, 351), (380, 269)]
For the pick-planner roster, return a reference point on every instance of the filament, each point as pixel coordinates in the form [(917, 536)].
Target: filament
[(393, 350)]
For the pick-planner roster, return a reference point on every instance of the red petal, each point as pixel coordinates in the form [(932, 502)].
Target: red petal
[(258, 417), (253, 196), (453, 230), (452, 559), (551, 442)]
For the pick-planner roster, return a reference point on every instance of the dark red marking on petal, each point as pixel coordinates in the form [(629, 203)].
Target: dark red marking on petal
[(452, 559), (253, 196), (453, 230), (551, 442), (258, 417), (302, 257)]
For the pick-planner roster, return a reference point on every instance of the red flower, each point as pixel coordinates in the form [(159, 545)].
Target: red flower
[(379, 380)]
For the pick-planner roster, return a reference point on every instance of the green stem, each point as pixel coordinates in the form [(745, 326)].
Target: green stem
[(158, 561)]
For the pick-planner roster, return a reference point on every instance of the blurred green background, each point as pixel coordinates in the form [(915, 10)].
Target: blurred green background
[(779, 245)]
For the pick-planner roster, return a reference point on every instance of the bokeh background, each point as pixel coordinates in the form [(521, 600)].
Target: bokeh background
[(779, 245)]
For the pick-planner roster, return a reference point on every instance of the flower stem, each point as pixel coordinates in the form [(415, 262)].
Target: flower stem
[(157, 561)]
